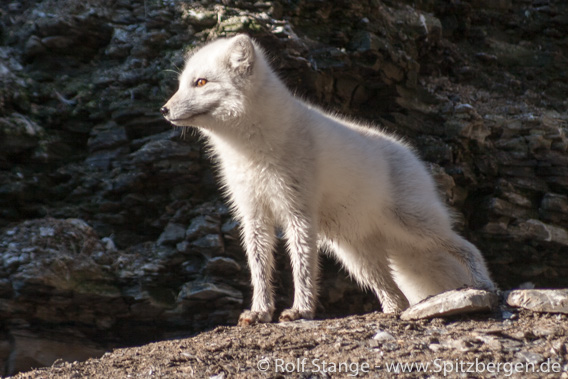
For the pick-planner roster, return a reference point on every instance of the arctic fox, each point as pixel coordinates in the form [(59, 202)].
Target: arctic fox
[(328, 183)]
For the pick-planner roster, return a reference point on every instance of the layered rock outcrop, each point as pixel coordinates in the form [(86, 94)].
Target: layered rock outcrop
[(113, 230)]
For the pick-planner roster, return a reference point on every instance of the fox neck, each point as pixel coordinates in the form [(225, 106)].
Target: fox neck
[(266, 123)]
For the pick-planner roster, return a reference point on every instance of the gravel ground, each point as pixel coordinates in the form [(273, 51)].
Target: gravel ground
[(503, 344)]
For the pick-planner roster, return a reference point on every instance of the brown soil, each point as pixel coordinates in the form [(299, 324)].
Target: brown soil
[(504, 344)]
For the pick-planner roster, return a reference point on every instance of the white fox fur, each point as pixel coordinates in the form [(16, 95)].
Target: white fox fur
[(356, 192)]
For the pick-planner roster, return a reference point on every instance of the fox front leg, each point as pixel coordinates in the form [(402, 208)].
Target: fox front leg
[(259, 240), (303, 252)]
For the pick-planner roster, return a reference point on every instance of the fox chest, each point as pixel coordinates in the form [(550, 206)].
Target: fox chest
[(258, 187)]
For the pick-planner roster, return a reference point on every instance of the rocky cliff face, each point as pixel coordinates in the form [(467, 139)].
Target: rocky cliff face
[(113, 230)]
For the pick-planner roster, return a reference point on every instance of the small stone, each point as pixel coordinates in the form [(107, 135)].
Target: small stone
[(109, 244), (508, 315), (553, 301), (34, 46), (15, 7), (390, 346), (436, 347), (210, 241), (491, 341), (172, 234), (46, 231), (18, 134), (383, 336), (152, 267), (529, 357), (365, 41), (182, 246), (553, 204), (222, 266), (208, 292), (545, 331), (526, 286), (201, 19), (539, 230), (107, 136), (57, 42), (486, 58), (464, 108), (200, 226), (461, 344), (229, 226), (558, 348), (452, 303), (304, 324)]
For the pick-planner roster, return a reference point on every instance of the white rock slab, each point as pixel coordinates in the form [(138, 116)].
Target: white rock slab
[(552, 301), (452, 303)]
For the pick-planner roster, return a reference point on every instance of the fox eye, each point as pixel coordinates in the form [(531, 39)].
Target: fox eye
[(200, 82)]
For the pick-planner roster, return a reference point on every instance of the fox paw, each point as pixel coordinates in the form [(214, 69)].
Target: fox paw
[(393, 309), (249, 317), (394, 304), (294, 314)]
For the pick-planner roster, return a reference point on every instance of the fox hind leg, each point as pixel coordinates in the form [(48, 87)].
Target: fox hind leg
[(371, 269), (467, 253)]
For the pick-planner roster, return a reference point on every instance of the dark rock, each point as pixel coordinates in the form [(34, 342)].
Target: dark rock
[(156, 151), (209, 291), (57, 42), (201, 19), (211, 243), (200, 226), (222, 266), (554, 208), (18, 134), (538, 230), (173, 234), (103, 159), (31, 349), (366, 41), (107, 136), (80, 36), (34, 46)]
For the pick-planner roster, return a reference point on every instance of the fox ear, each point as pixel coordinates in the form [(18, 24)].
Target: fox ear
[(241, 55)]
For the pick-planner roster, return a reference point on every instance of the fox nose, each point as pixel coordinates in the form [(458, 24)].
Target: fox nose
[(165, 111)]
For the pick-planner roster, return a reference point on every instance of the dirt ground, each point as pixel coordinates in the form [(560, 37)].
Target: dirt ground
[(506, 343)]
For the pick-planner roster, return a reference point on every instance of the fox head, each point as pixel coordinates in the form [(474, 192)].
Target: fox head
[(215, 84)]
